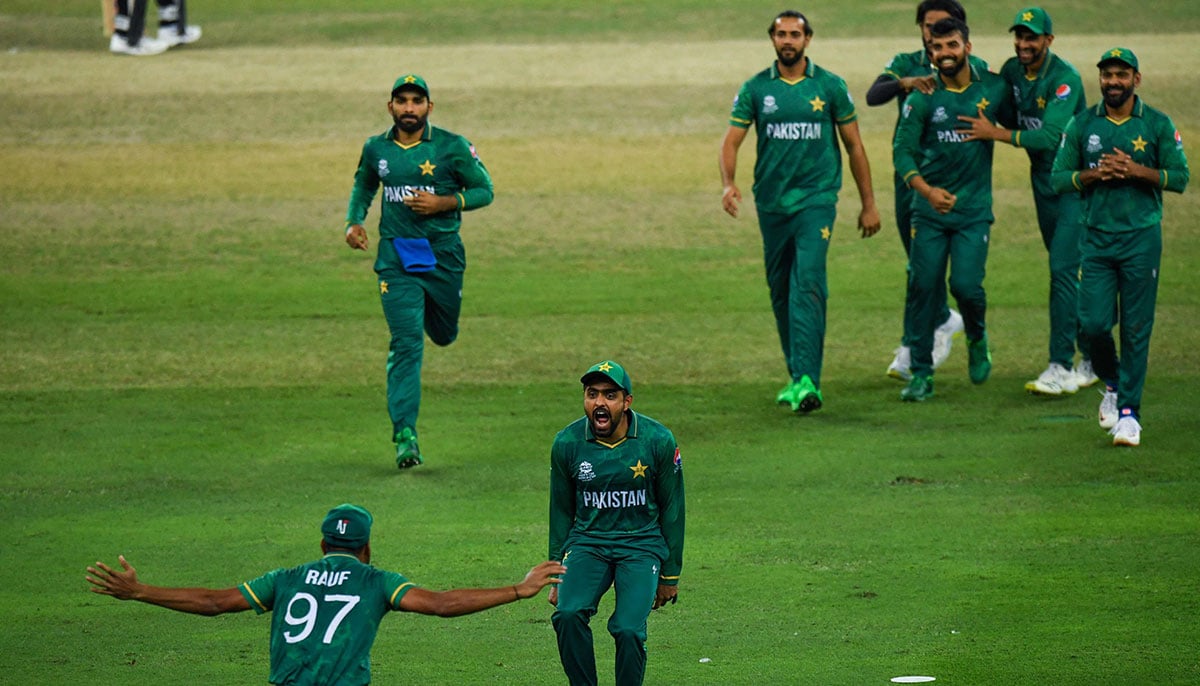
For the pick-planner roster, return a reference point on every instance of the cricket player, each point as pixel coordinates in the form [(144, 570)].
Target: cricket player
[(1120, 155), (326, 612), (799, 111), (1048, 92), (906, 72), (952, 205), (616, 520), (429, 176)]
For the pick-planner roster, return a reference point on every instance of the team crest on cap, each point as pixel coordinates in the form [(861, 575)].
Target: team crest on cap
[(1062, 92)]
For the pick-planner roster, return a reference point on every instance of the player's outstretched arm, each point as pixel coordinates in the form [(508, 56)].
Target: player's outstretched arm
[(124, 585), (464, 601)]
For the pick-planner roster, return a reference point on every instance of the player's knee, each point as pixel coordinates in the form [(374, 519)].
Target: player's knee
[(627, 635), (443, 338)]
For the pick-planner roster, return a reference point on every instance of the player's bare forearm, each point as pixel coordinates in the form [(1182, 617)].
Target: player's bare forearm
[(731, 195), (860, 168), (465, 601), (124, 585)]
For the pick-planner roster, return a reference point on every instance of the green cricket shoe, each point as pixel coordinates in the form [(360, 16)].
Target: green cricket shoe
[(787, 396), (408, 455), (919, 388), (808, 398), (979, 360)]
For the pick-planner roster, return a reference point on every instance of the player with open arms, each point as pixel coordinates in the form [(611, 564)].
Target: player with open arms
[(1120, 155), (326, 612), (951, 177), (799, 112), (616, 520)]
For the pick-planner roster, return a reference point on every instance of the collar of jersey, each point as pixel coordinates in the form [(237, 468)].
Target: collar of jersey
[(1138, 110), (426, 135), (975, 78), (808, 72), (631, 433)]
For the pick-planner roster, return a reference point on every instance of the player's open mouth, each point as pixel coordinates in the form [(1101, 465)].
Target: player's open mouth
[(600, 417)]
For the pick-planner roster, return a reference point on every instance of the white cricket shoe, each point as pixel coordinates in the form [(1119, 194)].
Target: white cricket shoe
[(943, 337), (1056, 380), (1108, 410), (171, 37), (1085, 376), (1127, 432), (146, 46), (899, 368)]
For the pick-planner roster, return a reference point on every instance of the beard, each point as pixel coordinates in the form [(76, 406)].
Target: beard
[(953, 69), (603, 424), (410, 123), (1116, 97), (789, 61)]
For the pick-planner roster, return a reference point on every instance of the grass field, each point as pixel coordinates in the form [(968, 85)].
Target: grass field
[(192, 368)]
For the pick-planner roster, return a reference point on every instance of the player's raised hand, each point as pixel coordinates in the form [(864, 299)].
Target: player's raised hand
[(121, 585), (356, 237), (546, 573)]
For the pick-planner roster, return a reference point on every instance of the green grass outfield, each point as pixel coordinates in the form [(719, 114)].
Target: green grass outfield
[(192, 360)]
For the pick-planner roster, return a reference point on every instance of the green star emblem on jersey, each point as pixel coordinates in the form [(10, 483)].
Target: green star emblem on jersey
[(818, 104), (383, 287), (982, 104), (825, 232), (1139, 143), (1041, 103), (639, 469), (427, 168)]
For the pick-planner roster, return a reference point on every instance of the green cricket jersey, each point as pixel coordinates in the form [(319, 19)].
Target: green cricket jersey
[(799, 163), (631, 491), (326, 616), (1149, 137), (928, 142), (906, 64), (441, 162), (1044, 104)]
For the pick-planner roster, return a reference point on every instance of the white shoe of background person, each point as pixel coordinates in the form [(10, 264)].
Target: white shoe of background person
[(899, 368), (172, 37), (1085, 376), (1108, 409), (1056, 380), (1127, 432), (146, 46), (943, 337)]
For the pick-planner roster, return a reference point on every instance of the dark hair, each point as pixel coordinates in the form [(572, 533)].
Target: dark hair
[(948, 26), (951, 7), (793, 14)]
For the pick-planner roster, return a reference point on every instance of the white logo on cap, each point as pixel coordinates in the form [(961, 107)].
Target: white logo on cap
[(341, 525)]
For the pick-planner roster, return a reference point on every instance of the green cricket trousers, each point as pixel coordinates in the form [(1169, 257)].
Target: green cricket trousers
[(415, 304), (592, 567), (794, 251), (1120, 280)]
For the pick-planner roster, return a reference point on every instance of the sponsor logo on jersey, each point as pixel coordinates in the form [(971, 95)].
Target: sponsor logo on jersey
[(383, 168), (678, 460), (1029, 123), (585, 472), (1062, 92), (326, 578), (939, 116), (609, 499), (399, 193), (473, 153), (1178, 140), (769, 105), (1093, 144), (907, 109), (795, 131)]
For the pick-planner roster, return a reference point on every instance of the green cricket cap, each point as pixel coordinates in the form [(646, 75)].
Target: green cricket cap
[(347, 526), (1124, 55), (1035, 19), (609, 370), (411, 81)]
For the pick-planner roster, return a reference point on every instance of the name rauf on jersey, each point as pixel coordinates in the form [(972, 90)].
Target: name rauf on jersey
[(399, 193), (604, 499), (326, 578), (795, 130)]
